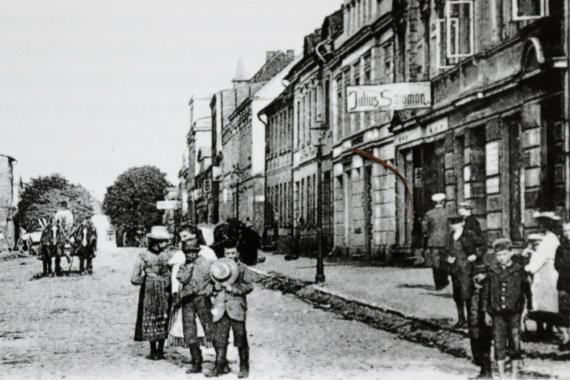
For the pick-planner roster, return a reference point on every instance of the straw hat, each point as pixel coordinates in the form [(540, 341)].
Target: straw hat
[(438, 197), (159, 233), (465, 205), (224, 271), (535, 237), (546, 215)]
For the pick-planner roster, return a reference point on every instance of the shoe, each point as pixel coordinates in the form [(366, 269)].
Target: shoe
[(159, 356), (220, 365), (564, 346), (150, 357), (194, 368), (290, 258)]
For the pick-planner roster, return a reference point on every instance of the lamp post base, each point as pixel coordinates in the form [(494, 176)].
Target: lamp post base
[(320, 278)]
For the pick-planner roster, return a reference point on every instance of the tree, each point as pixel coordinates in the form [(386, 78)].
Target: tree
[(131, 200), (42, 196)]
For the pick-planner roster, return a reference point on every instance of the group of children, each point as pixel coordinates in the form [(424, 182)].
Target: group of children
[(213, 291)]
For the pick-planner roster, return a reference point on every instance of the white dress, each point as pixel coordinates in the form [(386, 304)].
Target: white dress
[(541, 265)]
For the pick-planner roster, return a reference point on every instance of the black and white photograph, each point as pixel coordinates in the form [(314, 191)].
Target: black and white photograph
[(284, 189)]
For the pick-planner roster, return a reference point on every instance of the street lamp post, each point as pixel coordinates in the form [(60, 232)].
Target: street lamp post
[(237, 172), (318, 139)]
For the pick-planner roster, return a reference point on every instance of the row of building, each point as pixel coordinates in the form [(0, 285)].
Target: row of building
[(496, 133)]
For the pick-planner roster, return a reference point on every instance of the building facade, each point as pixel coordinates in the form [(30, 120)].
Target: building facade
[(279, 205), (243, 144), (199, 142), (496, 132)]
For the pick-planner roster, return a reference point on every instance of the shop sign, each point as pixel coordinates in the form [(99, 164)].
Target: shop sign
[(436, 127), (408, 136), (388, 97), (168, 205)]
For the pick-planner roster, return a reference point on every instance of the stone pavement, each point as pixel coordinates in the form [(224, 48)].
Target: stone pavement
[(407, 293)]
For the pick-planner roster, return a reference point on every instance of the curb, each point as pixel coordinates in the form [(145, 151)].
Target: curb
[(425, 332)]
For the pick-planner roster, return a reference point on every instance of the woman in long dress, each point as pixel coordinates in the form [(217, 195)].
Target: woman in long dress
[(152, 273), (541, 267)]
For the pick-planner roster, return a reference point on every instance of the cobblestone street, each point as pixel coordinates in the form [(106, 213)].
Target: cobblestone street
[(76, 326)]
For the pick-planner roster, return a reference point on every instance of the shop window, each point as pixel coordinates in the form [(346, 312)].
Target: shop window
[(529, 9)]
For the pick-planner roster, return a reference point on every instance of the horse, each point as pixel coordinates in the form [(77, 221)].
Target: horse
[(85, 239), (52, 243)]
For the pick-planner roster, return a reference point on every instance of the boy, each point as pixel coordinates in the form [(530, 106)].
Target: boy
[(194, 276), (230, 308), (503, 303)]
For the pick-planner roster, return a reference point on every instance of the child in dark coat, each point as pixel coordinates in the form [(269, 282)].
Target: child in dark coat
[(503, 303)]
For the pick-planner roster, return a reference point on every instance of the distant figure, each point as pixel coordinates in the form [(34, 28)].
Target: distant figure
[(562, 265), (437, 233), (249, 244), (294, 255), (465, 209), (463, 254), (85, 238), (64, 217), (545, 276)]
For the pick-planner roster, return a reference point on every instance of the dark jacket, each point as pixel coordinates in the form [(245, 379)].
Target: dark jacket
[(436, 227), (233, 303), (562, 265), (504, 289), (195, 278)]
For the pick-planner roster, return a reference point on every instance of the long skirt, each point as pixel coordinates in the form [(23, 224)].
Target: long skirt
[(176, 334), (153, 310)]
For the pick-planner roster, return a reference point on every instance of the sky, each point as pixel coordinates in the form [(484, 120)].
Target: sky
[(91, 88)]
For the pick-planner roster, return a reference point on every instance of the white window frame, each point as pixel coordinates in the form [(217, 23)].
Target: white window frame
[(440, 24), (448, 17), (543, 11)]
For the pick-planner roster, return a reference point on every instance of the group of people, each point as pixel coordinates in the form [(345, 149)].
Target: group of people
[(495, 290), (189, 290), (61, 232)]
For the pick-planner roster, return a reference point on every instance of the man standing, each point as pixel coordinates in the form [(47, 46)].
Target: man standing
[(86, 242), (437, 234), (194, 276), (465, 209)]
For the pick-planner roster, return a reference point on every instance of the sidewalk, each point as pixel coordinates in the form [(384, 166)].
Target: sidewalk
[(404, 293)]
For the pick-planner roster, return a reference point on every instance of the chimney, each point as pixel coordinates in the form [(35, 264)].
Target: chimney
[(291, 54), (270, 54)]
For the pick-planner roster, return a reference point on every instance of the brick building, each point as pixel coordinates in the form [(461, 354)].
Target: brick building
[(243, 143), (8, 199)]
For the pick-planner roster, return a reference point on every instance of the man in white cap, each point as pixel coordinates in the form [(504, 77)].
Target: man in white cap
[(436, 232)]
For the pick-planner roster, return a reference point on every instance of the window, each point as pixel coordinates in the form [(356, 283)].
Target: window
[(297, 142), (529, 9), (459, 28), (388, 57), (346, 115), (339, 106), (367, 79)]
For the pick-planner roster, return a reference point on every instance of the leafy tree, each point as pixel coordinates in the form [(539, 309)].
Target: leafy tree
[(42, 196), (131, 200)]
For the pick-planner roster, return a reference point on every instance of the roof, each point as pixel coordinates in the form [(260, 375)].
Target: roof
[(333, 25), (271, 67)]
